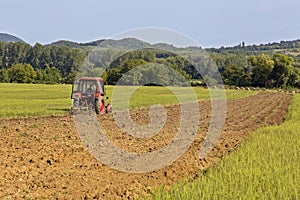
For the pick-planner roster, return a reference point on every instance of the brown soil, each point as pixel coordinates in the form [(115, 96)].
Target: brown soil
[(43, 158)]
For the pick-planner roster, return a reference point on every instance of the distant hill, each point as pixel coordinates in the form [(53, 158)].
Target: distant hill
[(4, 37), (261, 48), (291, 48), (126, 43), (93, 43), (65, 43)]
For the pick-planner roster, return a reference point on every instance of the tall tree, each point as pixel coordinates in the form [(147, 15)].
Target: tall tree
[(282, 70), (34, 55), (294, 78), (234, 75), (262, 66)]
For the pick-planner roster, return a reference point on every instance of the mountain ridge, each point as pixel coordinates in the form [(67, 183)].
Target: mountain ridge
[(5, 37), (133, 43)]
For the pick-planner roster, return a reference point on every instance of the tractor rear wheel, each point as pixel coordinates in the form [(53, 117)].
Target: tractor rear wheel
[(100, 106), (97, 106)]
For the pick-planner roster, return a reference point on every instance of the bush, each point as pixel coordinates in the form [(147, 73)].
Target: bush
[(21, 73)]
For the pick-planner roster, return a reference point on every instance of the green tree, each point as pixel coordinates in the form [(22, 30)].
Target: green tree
[(113, 76), (94, 72), (294, 78), (52, 75), (21, 73), (132, 63), (235, 75), (154, 74), (71, 77), (4, 76), (262, 66), (34, 55), (282, 70), (49, 75), (2, 53), (40, 76)]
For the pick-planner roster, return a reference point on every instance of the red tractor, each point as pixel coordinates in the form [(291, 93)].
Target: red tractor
[(88, 94)]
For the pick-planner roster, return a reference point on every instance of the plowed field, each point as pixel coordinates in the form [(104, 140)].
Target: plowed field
[(43, 158)]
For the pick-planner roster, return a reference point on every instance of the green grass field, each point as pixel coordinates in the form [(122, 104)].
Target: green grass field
[(23, 100), (34, 100), (266, 166)]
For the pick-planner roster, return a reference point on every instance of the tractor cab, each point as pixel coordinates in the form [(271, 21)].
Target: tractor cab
[(88, 85)]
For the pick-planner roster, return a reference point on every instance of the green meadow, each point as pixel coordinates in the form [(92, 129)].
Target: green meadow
[(23, 100), (266, 166)]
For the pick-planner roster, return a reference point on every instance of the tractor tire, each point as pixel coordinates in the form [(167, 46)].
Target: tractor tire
[(102, 106), (75, 103), (97, 106)]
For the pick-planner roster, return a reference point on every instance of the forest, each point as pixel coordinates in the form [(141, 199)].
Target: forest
[(270, 66)]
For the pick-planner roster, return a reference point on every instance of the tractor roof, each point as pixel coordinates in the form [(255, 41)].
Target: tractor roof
[(91, 79)]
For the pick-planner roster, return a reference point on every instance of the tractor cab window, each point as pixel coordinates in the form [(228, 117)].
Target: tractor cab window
[(91, 87), (75, 86), (101, 87), (86, 86)]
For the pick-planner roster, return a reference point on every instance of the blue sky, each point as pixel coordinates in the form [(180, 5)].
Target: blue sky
[(212, 23)]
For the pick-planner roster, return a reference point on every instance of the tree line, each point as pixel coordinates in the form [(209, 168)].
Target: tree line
[(23, 63), (268, 71), (261, 70)]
